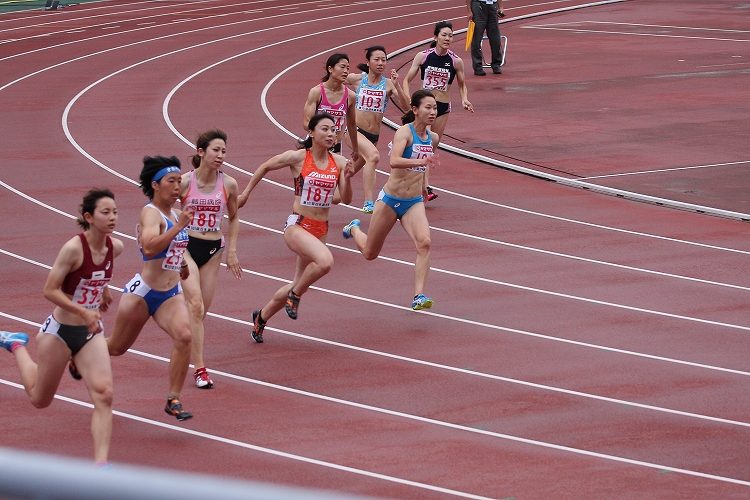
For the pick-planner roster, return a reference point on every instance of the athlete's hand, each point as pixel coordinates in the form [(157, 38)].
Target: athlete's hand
[(432, 161), (349, 170), (92, 319), (233, 264), (106, 300), (355, 155), (242, 200), (184, 272), (467, 105), (394, 77), (186, 216)]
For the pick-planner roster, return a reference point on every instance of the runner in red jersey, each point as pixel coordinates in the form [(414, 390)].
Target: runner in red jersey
[(77, 285)]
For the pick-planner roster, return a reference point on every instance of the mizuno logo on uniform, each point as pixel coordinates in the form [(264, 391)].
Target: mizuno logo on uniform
[(447, 65)]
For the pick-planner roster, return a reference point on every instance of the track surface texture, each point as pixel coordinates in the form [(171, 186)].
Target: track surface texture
[(581, 345)]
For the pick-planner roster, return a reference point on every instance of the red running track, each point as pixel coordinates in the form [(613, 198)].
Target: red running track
[(581, 345)]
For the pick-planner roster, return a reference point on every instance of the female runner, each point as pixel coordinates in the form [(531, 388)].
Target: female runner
[(320, 178), (438, 66), (333, 97), (156, 291), (77, 285), (373, 91), (210, 192), (402, 196)]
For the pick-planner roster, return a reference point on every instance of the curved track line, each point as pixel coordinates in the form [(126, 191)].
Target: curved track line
[(507, 437), (301, 458), (421, 362), (437, 315)]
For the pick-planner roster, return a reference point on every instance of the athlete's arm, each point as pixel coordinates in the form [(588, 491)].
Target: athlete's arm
[(413, 71), (462, 90), (233, 228), (291, 158), (153, 241), (311, 106)]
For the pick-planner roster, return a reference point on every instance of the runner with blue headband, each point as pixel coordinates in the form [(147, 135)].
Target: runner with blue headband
[(156, 291)]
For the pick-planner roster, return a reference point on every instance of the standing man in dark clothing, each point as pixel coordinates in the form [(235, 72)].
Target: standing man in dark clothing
[(484, 13)]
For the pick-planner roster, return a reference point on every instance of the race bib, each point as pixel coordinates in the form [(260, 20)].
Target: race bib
[(371, 100), (89, 292), (436, 78), (317, 190), (206, 217)]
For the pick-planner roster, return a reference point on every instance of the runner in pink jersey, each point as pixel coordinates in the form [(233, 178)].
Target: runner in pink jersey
[(77, 285), (334, 98), (211, 193)]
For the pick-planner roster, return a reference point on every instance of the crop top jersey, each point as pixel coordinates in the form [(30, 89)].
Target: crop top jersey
[(372, 97), (209, 207), (315, 187), (438, 71), (418, 148), (337, 111), (172, 254), (86, 284)]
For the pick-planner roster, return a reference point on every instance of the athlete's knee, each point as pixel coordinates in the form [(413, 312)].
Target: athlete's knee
[(423, 243), (373, 157), (370, 253), (102, 394), (183, 338), (195, 307), (43, 401), (325, 265), (115, 349)]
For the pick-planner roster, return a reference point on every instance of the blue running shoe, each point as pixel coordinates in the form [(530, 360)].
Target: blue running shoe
[(7, 339), (368, 207), (421, 302), (348, 228)]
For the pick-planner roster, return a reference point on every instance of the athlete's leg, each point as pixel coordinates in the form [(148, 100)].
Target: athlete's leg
[(315, 260), (132, 314), (199, 289), (417, 227), (382, 221), (41, 379), (93, 364), (172, 317)]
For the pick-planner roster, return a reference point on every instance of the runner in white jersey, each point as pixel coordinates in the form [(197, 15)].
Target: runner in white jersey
[(156, 291), (77, 285), (373, 92), (211, 193), (332, 97)]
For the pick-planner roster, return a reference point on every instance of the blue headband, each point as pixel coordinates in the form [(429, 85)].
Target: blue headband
[(164, 171)]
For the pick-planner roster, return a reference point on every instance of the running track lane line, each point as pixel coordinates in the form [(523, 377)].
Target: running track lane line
[(391, 478), (308, 460), (440, 366), (461, 320)]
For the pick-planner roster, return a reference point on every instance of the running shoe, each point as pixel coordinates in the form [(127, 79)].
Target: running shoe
[(174, 407), (421, 302), (202, 380), (7, 339), (292, 303), (73, 370), (258, 326), (430, 195), (368, 207), (348, 228)]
